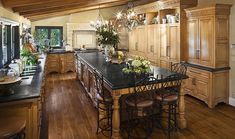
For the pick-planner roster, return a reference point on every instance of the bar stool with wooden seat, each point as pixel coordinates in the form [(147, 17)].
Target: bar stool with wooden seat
[(104, 106), (12, 128), (139, 108), (168, 94)]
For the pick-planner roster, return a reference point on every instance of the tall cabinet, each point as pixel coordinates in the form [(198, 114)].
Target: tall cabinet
[(160, 42), (208, 53)]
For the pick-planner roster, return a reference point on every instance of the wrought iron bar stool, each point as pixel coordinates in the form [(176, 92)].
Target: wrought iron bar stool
[(139, 109), (104, 106), (168, 94), (12, 128)]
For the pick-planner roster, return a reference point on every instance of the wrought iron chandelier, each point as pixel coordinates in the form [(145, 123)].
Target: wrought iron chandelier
[(128, 17)]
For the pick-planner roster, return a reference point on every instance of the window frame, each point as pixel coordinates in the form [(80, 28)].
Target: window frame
[(49, 32), (11, 54)]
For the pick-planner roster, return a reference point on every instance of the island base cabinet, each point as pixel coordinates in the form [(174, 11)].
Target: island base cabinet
[(60, 63), (30, 109), (210, 87)]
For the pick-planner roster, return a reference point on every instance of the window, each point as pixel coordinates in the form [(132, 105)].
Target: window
[(52, 33), (4, 45), (9, 43)]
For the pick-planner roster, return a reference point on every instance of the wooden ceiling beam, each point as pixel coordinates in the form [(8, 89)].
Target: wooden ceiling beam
[(49, 4), (45, 16), (18, 3), (73, 7)]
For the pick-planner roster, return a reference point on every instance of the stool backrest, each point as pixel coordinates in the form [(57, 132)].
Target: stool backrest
[(143, 89), (180, 68), (99, 83)]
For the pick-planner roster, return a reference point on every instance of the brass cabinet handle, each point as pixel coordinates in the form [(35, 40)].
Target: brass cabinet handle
[(194, 72), (168, 51), (197, 54), (194, 81), (151, 48), (136, 46)]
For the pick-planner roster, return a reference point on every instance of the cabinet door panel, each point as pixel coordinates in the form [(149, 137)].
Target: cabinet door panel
[(132, 40), (206, 41), (142, 41), (163, 41), (153, 42), (193, 40), (189, 87), (150, 38), (174, 42), (202, 86)]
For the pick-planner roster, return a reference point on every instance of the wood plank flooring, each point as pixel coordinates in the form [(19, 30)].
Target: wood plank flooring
[(69, 114)]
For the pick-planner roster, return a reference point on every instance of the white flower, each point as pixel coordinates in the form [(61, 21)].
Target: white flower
[(136, 63)]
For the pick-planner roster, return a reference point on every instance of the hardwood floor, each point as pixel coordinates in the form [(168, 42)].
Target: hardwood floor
[(69, 114)]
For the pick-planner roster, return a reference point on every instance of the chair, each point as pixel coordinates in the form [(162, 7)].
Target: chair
[(104, 106), (12, 128), (139, 107), (168, 94)]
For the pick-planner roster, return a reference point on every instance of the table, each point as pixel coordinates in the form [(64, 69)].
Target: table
[(120, 84)]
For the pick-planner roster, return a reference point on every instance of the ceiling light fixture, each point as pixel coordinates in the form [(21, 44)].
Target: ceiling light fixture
[(128, 17), (99, 20)]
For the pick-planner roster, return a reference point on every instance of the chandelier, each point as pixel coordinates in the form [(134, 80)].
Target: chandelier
[(99, 21), (128, 17)]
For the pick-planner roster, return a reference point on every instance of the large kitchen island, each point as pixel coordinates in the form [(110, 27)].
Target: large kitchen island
[(117, 82)]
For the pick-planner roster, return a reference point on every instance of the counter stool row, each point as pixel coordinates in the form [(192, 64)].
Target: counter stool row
[(147, 96)]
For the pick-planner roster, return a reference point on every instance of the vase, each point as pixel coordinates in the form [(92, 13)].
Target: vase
[(108, 50)]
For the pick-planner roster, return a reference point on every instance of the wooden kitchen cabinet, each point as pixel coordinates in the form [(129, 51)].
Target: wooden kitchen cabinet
[(212, 87), (60, 63), (53, 63), (170, 41), (141, 40), (163, 41), (174, 42), (153, 44), (132, 40), (208, 35), (87, 79), (192, 40)]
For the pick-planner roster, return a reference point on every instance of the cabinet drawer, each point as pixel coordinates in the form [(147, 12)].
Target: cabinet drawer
[(202, 88), (198, 73)]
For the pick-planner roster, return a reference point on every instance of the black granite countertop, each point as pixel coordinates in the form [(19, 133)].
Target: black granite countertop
[(112, 73), (28, 91), (59, 51), (207, 68)]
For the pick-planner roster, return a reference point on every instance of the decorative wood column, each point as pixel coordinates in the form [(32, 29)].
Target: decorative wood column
[(182, 121), (116, 115)]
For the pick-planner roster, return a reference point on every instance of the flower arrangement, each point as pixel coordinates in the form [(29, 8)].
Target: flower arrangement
[(107, 35), (138, 65)]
